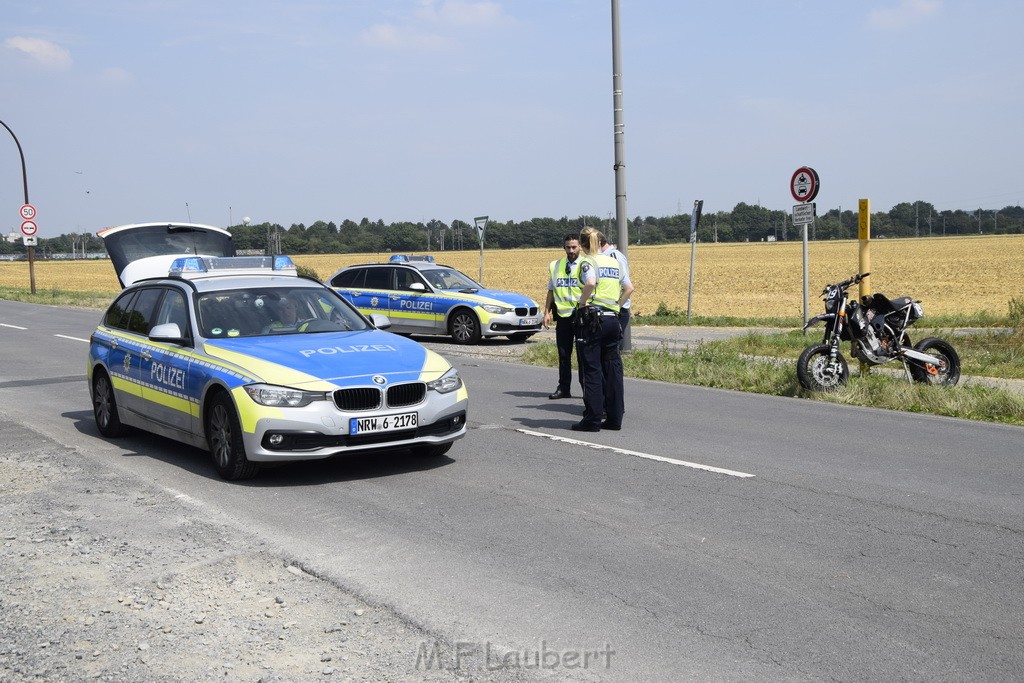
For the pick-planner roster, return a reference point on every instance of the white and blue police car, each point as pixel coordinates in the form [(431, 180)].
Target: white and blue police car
[(421, 296), (242, 356)]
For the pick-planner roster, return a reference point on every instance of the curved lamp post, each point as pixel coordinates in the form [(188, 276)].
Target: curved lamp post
[(24, 180)]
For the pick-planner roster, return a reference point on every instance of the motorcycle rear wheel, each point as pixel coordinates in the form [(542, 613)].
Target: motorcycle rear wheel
[(929, 373), (817, 372)]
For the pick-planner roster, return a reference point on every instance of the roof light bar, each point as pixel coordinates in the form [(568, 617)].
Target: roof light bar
[(191, 266)]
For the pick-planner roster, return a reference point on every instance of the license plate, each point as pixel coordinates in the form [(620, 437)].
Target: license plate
[(525, 322), (382, 423)]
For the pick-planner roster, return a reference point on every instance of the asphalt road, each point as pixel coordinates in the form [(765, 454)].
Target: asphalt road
[(720, 535)]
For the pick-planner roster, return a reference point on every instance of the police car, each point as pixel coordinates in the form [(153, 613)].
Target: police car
[(207, 354), (421, 296)]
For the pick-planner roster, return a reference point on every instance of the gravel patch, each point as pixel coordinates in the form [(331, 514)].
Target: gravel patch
[(171, 597)]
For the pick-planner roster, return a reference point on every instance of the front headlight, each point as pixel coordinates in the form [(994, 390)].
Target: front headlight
[(282, 397), (447, 383), (494, 309)]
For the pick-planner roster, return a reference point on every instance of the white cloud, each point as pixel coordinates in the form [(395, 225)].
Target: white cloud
[(50, 55), (433, 23), (116, 75), (462, 13), (906, 13), (393, 36)]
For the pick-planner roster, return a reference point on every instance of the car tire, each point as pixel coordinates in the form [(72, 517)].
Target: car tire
[(104, 406), (224, 438), (431, 451), (464, 327)]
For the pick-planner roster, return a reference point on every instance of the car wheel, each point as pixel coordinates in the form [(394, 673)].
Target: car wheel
[(464, 327), (104, 406), (224, 436), (431, 451)]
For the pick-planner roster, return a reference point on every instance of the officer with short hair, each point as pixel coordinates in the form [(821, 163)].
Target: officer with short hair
[(597, 334), (563, 295)]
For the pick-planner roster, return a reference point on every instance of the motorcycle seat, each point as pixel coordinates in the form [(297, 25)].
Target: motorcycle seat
[(901, 302)]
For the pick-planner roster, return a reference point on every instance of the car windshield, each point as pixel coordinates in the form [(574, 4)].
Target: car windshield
[(265, 311), (450, 279)]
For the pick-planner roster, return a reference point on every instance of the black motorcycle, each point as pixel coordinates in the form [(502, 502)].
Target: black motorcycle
[(876, 328)]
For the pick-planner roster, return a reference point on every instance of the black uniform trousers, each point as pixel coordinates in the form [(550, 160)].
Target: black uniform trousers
[(601, 367), (623, 322), (564, 338)]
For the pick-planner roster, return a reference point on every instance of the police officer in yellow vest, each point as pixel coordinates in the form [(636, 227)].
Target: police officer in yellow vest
[(597, 336), (563, 295)]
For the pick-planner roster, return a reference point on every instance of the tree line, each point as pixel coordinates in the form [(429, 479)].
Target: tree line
[(744, 223)]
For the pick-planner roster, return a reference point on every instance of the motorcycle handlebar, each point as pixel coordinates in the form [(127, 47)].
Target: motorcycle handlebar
[(853, 280)]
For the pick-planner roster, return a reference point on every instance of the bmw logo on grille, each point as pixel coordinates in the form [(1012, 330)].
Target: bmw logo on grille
[(378, 379)]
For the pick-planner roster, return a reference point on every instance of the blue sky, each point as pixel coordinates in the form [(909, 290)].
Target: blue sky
[(211, 110)]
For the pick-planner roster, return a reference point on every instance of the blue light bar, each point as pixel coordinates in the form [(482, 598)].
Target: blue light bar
[(234, 265), (407, 258)]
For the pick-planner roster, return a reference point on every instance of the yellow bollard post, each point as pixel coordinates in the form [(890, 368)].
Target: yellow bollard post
[(864, 256)]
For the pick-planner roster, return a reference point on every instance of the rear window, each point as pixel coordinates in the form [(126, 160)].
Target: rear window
[(349, 278), (133, 311), (378, 278)]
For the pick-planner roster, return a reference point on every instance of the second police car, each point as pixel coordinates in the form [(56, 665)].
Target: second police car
[(420, 296), (207, 354)]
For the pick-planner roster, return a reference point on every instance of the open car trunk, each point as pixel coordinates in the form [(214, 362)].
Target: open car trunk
[(144, 250)]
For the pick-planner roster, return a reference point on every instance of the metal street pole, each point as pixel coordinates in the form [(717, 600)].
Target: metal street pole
[(618, 134), (24, 180)]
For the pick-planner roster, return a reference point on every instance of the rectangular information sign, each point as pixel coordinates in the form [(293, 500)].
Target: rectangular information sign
[(803, 214)]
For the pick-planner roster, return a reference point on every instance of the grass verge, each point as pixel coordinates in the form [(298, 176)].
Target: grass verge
[(723, 365), (57, 297), (986, 353), (668, 317)]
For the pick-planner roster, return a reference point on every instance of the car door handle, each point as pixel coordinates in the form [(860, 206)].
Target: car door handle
[(146, 354)]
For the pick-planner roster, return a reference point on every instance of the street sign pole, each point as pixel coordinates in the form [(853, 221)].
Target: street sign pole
[(24, 179), (481, 226), (806, 280), (698, 206)]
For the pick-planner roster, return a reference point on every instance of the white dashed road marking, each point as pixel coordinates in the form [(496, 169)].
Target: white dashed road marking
[(638, 454)]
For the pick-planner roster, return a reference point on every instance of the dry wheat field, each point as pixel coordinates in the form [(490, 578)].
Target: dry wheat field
[(757, 279)]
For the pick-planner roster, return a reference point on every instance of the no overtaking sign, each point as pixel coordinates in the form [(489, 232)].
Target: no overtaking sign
[(805, 184)]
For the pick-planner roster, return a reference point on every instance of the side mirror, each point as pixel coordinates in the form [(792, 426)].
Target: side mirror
[(168, 333), (417, 287), (380, 321)]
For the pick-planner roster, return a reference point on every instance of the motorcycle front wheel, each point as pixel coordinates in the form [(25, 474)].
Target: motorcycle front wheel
[(929, 373), (818, 372)]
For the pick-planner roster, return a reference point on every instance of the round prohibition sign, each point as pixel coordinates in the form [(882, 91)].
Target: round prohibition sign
[(805, 184), (28, 228), (28, 212)]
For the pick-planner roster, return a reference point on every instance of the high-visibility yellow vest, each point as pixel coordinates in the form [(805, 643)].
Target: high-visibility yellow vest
[(609, 288), (567, 286)]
